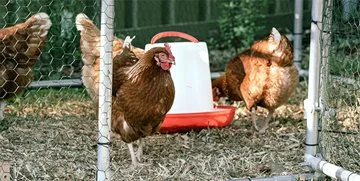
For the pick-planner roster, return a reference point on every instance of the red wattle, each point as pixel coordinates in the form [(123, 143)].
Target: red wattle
[(165, 66)]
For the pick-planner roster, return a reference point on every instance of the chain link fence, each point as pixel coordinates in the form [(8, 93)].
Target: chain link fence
[(49, 130), (340, 88)]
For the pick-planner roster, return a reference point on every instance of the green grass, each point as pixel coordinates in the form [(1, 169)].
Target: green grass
[(345, 65)]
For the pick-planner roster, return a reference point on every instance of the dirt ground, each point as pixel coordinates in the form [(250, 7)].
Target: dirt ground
[(54, 138)]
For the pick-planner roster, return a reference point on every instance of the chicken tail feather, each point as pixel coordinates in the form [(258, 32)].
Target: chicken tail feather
[(127, 42), (22, 42), (42, 24), (90, 38), (38, 28), (81, 21)]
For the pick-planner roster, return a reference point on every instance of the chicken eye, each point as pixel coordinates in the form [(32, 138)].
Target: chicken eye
[(162, 55)]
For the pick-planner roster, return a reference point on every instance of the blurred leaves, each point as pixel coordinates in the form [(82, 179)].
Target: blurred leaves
[(237, 24)]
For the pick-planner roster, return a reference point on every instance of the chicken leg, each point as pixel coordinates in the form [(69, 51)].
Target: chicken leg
[(139, 151), (253, 118), (266, 122), (132, 154), (136, 156)]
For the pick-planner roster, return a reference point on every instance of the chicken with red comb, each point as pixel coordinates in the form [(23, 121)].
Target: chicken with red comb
[(145, 95)]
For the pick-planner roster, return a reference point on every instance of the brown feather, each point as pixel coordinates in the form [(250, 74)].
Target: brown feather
[(90, 48), (142, 91), (143, 99), (261, 76), (20, 47)]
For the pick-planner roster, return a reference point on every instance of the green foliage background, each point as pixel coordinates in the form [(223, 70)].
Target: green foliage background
[(239, 22)]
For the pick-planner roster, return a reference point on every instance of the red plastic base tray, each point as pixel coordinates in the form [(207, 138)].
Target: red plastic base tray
[(220, 117)]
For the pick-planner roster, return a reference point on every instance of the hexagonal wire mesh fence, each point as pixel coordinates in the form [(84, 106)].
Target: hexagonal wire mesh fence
[(49, 130), (45, 48), (4, 171), (340, 88)]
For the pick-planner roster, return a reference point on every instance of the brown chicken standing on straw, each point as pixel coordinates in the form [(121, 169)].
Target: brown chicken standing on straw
[(263, 75), (143, 90)]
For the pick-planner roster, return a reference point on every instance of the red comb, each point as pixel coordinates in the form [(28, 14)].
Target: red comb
[(167, 47)]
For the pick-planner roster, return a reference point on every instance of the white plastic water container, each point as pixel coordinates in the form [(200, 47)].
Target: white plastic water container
[(191, 74)]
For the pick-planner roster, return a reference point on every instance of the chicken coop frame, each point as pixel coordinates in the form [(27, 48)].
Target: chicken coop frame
[(315, 104), (105, 89), (318, 109)]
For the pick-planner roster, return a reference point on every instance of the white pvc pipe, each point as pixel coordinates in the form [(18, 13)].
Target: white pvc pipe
[(298, 17), (279, 178), (331, 169), (311, 104), (105, 89)]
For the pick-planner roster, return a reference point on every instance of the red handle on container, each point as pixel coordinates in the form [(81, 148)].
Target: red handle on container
[(173, 34)]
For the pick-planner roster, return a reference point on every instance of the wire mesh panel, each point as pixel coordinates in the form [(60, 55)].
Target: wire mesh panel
[(4, 171), (49, 130), (340, 128)]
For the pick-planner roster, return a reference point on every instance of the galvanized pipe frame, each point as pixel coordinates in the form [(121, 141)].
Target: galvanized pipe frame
[(105, 90), (298, 35), (298, 31)]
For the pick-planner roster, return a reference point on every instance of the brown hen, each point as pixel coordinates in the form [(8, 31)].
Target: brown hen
[(20, 47), (263, 75), (143, 90), (144, 97)]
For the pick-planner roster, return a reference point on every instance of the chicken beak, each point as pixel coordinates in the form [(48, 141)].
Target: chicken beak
[(172, 61)]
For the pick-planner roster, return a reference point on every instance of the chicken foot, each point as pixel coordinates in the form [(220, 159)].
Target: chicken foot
[(266, 121), (253, 118)]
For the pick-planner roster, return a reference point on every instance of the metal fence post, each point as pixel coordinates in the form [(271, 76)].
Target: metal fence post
[(298, 17), (105, 88), (311, 104)]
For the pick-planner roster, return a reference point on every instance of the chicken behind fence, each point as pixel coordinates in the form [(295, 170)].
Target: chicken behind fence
[(20, 47), (143, 90)]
